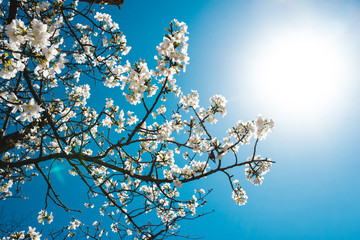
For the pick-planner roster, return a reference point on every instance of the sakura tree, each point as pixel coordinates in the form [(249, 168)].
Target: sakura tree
[(135, 152)]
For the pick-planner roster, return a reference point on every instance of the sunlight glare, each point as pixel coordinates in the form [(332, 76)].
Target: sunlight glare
[(299, 73)]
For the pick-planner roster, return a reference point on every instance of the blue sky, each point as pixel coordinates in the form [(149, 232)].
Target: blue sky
[(312, 191)]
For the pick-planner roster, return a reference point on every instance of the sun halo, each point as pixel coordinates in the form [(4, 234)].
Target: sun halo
[(298, 73)]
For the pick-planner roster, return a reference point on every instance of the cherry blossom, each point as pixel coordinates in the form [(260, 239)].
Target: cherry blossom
[(30, 110), (136, 152)]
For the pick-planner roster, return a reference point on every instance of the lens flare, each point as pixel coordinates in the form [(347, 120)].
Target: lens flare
[(299, 74)]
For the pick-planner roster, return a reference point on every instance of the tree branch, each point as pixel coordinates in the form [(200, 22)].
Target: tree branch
[(106, 2), (12, 11)]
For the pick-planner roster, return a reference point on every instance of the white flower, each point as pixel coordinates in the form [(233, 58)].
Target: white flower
[(263, 127), (191, 100), (33, 235), (111, 82), (44, 5), (107, 122), (16, 31), (161, 110), (74, 224), (256, 169), (44, 216), (109, 103), (16, 235), (38, 35), (80, 94), (165, 131), (4, 187), (219, 104), (50, 53), (11, 67), (31, 110), (201, 191), (60, 64), (104, 17), (14, 102), (177, 183), (114, 227), (239, 196), (173, 48), (132, 120), (37, 26), (126, 50)]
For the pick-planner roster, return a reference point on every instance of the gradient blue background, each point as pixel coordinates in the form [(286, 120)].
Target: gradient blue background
[(312, 192)]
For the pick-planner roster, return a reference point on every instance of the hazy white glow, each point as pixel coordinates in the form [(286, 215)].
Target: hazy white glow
[(299, 73)]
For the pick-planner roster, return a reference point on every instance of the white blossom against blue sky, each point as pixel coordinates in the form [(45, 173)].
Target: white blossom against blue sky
[(296, 61), (293, 60)]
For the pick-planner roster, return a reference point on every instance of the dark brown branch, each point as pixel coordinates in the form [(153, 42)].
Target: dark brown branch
[(107, 2), (9, 141), (12, 11)]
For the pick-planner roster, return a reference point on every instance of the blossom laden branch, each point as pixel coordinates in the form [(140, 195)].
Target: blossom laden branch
[(133, 152)]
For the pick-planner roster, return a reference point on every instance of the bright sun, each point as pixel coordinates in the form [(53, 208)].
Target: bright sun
[(299, 73)]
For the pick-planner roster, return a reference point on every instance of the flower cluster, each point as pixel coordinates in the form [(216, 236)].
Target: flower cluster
[(4, 188), (263, 127), (37, 35), (31, 234), (259, 128), (107, 20), (43, 215), (256, 169), (173, 50), (138, 82), (219, 104), (239, 194), (29, 111), (188, 171), (190, 100), (74, 224), (79, 95)]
